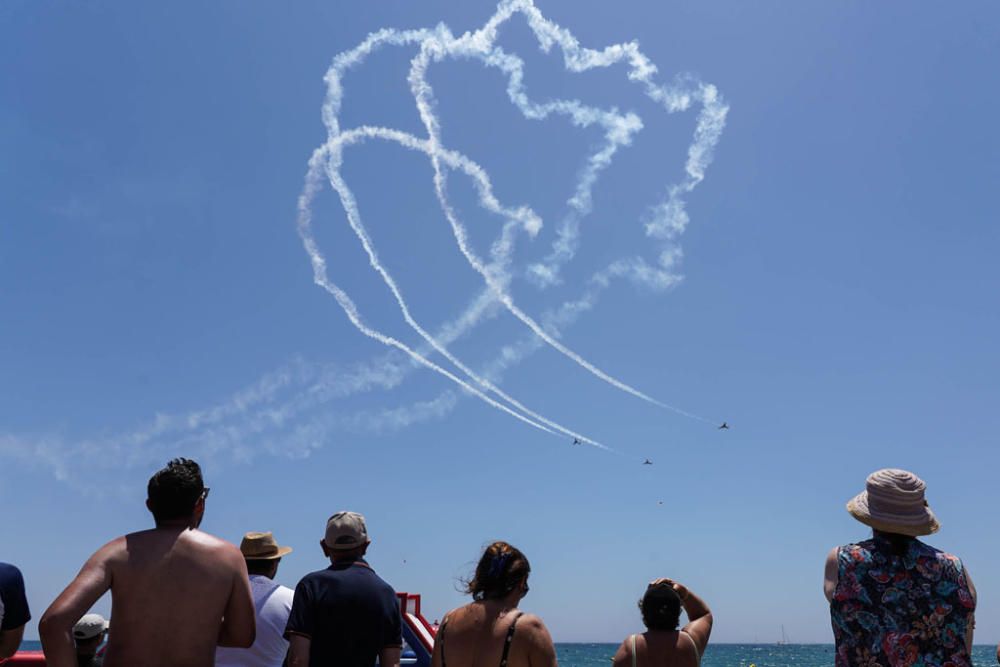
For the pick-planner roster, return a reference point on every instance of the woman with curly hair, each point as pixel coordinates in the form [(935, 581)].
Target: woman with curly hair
[(663, 644), (491, 630)]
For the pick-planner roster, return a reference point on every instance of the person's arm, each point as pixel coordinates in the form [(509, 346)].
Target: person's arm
[(541, 650), (56, 627), (831, 574), (971, 628), (13, 610), (10, 640), (298, 650), (392, 631), (699, 625), (239, 625), (300, 627), (389, 656), (439, 642), (623, 656)]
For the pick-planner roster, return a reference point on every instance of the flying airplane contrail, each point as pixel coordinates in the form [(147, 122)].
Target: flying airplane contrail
[(619, 132), (333, 160), (437, 44), (321, 278), (523, 216)]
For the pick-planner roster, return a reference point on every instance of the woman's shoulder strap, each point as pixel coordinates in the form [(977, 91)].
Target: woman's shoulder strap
[(694, 645), (509, 639)]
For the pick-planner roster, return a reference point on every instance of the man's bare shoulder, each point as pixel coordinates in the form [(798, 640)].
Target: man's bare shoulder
[(207, 542), (116, 549), (191, 540)]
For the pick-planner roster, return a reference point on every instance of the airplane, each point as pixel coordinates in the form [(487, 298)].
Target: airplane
[(576, 441), (647, 462), (725, 425)]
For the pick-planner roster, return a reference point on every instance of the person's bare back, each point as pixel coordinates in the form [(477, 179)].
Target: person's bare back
[(170, 592), (492, 631), (176, 592), (477, 634)]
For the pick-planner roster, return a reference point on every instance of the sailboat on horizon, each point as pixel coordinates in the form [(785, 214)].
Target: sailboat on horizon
[(784, 638)]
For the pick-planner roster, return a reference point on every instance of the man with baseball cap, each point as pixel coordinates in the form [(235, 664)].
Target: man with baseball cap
[(345, 615), (88, 633), (272, 602)]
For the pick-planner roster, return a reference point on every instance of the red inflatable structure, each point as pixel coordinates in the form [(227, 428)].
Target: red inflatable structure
[(25, 659)]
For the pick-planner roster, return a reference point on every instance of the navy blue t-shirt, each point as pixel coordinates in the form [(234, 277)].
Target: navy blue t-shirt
[(13, 603), (348, 613)]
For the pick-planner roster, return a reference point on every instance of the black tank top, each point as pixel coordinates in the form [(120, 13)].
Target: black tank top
[(506, 644)]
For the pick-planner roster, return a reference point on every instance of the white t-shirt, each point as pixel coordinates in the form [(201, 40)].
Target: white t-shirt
[(272, 603)]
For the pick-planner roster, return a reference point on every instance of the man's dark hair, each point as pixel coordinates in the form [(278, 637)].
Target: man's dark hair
[(261, 566), (661, 607), (174, 490)]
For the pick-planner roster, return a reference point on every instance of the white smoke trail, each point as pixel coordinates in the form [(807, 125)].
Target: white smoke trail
[(259, 408), (293, 425), (522, 217), (334, 153), (321, 278), (619, 133), (423, 92), (439, 44)]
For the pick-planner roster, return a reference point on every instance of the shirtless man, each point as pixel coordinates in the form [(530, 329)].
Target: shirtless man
[(176, 592)]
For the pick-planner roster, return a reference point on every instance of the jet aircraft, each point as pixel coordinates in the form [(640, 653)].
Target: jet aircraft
[(724, 425), (576, 441), (647, 462)]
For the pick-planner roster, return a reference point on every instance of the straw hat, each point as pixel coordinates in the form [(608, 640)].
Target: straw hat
[(261, 546), (893, 502)]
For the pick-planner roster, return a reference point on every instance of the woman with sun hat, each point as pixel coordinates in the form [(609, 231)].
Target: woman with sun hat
[(893, 599)]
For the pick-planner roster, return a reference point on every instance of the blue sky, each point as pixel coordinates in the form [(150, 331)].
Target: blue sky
[(837, 307)]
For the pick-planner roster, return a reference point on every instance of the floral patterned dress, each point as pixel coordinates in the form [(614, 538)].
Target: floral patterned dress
[(893, 610)]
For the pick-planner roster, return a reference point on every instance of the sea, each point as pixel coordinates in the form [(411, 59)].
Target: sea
[(742, 655), (717, 655)]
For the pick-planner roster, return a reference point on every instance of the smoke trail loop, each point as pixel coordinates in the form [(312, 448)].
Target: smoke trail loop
[(665, 221)]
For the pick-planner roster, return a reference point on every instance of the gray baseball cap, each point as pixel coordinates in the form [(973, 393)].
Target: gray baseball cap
[(89, 626), (345, 531)]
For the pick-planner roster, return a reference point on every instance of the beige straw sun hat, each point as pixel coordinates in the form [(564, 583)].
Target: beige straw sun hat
[(261, 546), (893, 502)]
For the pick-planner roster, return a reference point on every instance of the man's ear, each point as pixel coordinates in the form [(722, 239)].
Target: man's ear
[(326, 550), (149, 504), (199, 513)]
